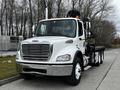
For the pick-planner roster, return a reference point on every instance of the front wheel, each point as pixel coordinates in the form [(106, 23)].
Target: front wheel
[(27, 76), (75, 77)]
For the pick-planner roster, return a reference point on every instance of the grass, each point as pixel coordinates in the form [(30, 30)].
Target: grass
[(116, 46), (7, 67)]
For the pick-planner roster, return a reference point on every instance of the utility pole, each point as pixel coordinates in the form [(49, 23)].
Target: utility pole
[(46, 9)]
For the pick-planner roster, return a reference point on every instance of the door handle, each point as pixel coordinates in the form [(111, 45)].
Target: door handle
[(81, 39)]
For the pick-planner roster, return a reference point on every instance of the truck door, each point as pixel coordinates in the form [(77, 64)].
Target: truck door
[(81, 37)]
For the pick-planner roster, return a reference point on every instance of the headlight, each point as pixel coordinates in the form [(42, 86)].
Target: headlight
[(63, 58)]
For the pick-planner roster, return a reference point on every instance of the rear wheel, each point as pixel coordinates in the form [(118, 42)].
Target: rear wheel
[(92, 59), (101, 57), (75, 77), (95, 59)]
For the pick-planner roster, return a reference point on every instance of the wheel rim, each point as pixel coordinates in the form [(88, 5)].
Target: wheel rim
[(77, 71), (97, 58)]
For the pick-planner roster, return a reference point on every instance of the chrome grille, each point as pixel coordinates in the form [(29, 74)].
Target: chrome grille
[(38, 52)]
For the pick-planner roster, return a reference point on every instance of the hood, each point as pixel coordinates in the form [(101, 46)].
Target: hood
[(46, 40)]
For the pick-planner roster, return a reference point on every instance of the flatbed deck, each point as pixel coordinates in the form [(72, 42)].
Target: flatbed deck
[(99, 48)]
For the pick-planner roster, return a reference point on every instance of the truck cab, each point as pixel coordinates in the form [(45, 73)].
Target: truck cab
[(58, 48)]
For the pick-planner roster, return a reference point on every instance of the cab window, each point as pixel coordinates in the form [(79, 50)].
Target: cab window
[(80, 28)]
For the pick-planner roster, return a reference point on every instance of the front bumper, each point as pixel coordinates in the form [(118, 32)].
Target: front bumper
[(49, 70)]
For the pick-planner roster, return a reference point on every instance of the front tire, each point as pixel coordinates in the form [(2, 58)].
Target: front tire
[(75, 77), (27, 76)]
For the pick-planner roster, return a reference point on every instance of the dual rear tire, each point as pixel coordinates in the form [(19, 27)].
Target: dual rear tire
[(97, 59)]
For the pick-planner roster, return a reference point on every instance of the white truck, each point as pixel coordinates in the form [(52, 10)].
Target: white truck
[(59, 48)]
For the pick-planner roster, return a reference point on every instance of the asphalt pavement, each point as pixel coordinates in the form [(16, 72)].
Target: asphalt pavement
[(104, 77)]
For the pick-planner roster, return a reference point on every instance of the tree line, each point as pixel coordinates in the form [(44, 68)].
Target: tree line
[(17, 17)]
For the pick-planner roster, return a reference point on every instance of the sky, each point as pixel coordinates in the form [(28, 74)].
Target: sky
[(115, 15)]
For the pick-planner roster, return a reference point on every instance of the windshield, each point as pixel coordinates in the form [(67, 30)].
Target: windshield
[(64, 27)]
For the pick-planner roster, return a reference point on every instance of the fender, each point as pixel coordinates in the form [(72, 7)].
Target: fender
[(80, 55), (73, 51), (67, 50)]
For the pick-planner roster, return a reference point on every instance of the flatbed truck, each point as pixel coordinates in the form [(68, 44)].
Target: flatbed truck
[(59, 47)]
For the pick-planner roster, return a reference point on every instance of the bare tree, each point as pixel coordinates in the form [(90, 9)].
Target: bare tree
[(31, 18), (58, 2), (2, 11), (25, 17), (41, 4), (80, 2), (16, 21), (74, 2), (11, 9), (101, 10), (21, 21), (18, 17), (50, 8), (105, 33), (38, 10), (6, 17)]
